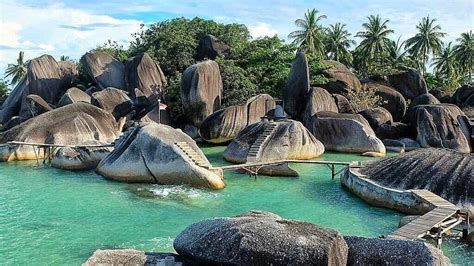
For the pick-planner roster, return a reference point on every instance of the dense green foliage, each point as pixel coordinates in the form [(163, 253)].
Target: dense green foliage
[(310, 35), (4, 91)]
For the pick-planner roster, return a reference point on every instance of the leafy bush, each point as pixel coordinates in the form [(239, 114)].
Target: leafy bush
[(237, 86), (364, 98)]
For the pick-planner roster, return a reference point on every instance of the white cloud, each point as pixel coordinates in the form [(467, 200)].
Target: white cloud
[(262, 29), (57, 30)]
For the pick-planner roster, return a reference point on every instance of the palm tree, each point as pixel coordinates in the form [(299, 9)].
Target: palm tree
[(18, 71), (397, 56), (427, 41), (311, 35), (464, 52), (338, 43), (64, 58), (374, 40), (445, 64)]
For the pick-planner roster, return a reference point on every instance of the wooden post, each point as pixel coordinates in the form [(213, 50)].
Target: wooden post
[(36, 155), (439, 237), (332, 171)]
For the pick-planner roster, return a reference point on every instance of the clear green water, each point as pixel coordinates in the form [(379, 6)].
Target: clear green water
[(50, 216)]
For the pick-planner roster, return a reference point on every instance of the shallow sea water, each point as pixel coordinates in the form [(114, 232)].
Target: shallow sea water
[(51, 216)]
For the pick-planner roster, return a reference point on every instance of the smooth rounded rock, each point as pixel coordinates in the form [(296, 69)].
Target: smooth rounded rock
[(105, 70), (297, 87), (319, 100), (113, 100), (261, 238), (144, 74), (79, 158), (74, 95)]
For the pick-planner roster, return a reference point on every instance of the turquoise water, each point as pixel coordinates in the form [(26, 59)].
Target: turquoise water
[(50, 216)]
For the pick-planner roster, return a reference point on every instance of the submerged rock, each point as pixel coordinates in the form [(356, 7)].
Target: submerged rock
[(144, 74), (376, 251), (225, 124), (297, 87), (79, 158), (444, 172), (261, 238), (345, 133), (150, 154), (74, 124), (443, 126), (201, 90), (288, 140), (342, 80), (105, 70), (319, 100)]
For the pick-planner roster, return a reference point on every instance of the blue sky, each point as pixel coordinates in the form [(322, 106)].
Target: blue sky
[(74, 27)]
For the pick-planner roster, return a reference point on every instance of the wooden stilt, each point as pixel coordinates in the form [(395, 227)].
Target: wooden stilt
[(36, 155)]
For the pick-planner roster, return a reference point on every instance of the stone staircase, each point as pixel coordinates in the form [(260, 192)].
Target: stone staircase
[(193, 155), (255, 149)]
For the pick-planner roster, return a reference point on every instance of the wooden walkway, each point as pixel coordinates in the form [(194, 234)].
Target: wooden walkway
[(254, 167), (443, 217)]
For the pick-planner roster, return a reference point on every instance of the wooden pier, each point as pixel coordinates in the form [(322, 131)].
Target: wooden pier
[(253, 167), (50, 149), (444, 217)]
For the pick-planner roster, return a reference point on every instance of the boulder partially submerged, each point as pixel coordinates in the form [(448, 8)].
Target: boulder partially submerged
[(201, 90), (80, 158), (225, 124), (288, 140), (261, 238), (74, 124), (345, 133), (444, 172), (105, 70), (152, 153), (443, 126), (376, 251)]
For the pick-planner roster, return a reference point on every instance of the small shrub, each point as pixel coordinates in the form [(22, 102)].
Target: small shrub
[(364, 98)]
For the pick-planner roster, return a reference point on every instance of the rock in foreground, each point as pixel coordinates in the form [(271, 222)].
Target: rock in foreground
[(375, 251), (130, 257), (444, 172), (79, 158), (150, 154), (288, 140), (261, 238)]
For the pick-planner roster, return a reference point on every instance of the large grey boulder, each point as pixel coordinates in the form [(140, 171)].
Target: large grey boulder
[(444, 172), (288, 140), (377, 117), (443, 126), (226, 123), (342, 80), (74, 124), (12, 104), (35, 105), (376, 251), (464, 98), (201, 90), (409, 83), (423, 99), (319, 100), (345, 133), (82, 158), (151, 154), (297, 87), (391, 99), (144, 74), (74, 95), (210, 47), (104, 70), (343, 104), (114, 101), (261, 238)]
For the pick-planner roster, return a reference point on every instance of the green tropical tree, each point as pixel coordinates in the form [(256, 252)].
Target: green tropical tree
[(464, 53), (64, 58), (375, 42), (446, 67), (310, 36), (17, 71), (397, 56), (337, 43), (426, 42)]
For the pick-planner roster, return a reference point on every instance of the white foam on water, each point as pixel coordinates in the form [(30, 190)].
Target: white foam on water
[(181, 191)]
